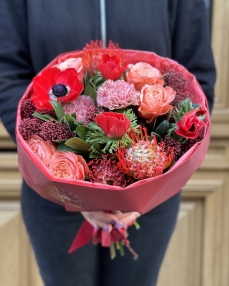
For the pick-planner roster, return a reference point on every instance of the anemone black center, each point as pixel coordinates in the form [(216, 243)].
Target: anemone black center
[(59, 90)]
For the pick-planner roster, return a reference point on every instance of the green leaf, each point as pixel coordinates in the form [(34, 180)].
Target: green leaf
[(89, 90), (49, 117), (162, 128), (58, 109), (78, 144), (93, 155), (64, 147), (82, 132), (40, 116), (74, 115), (71, 122)]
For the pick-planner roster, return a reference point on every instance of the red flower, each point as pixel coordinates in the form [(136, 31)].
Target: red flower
[(54, 84), (190, 125), (114, 125), (110, 68)]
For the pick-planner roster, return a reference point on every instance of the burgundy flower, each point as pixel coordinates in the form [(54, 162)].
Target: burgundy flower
[(114, 125), (51, 130), (106, 171), (54, 84), (190, 125), (111, 68), (27, 109), (30, 127)]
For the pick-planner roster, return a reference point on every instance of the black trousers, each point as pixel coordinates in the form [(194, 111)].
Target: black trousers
[(51, 230)]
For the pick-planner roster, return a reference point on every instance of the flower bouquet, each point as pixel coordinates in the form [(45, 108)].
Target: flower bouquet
[(111, 129)]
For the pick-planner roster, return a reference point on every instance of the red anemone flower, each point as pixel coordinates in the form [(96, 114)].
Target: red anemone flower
[(114, 125), (54, 84), (111, 68)]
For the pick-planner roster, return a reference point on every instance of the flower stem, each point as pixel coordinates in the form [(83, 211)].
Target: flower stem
[(112, 251)]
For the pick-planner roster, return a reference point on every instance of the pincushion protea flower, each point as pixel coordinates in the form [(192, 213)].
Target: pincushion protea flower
[(106, 171), (145, 158)]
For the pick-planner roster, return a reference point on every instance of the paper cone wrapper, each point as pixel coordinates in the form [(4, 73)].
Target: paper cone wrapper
[(141, 196)]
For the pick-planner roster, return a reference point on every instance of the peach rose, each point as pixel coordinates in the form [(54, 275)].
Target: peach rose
[(141, 74), (154, 101), (68, 165), (75, 63), (42, 149)]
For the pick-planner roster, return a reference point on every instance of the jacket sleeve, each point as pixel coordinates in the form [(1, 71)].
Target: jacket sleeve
[(191, 45), (15, 66)]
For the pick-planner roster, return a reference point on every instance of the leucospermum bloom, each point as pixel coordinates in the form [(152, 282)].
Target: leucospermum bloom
[(144, 158), (117, 94)]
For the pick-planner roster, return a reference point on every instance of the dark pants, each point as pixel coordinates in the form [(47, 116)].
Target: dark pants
[(51, 230)]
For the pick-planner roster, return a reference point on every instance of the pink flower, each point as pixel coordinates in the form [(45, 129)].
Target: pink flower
[(190, 125), (82, 106), (75, 63), (67, 165), (114, 125), (141, 74), (117, 94), (44, 150), (155, 101)]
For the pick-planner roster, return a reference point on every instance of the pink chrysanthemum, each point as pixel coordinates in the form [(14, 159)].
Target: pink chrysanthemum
[(106, 171), (117, 94), (145, 158), (84, 107)]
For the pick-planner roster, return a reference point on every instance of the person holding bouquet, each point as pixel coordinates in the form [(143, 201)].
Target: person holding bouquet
[(32, 33)]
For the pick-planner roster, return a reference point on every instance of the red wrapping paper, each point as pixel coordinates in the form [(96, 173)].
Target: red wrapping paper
[(141, 196)]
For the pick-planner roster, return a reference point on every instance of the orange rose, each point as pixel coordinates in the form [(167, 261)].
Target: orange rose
[(42, 149), (141, 74), (154, 101), (68, 165)]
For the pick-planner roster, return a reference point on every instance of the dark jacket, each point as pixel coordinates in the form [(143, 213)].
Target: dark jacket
[(33, 32)]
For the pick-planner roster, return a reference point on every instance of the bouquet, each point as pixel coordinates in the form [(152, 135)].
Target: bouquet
[(111, 129)]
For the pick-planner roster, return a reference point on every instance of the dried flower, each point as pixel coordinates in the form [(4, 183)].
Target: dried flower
[(55, 131), (189, 143), (145, 158), (106, 171), (30, 127), (171, 143), (117, 94), (176, 80), (27, 109), (179, 97)]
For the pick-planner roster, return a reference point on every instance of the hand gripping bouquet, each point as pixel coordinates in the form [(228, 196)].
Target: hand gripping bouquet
[(111, 129)]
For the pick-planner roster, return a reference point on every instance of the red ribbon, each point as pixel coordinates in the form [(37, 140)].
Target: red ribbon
[(87, 232)]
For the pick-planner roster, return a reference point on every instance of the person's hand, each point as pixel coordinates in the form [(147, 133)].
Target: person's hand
[(100, 219), (124, 219), (108, 220)]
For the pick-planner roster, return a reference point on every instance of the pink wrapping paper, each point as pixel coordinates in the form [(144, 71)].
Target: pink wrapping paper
[(141, 196)]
